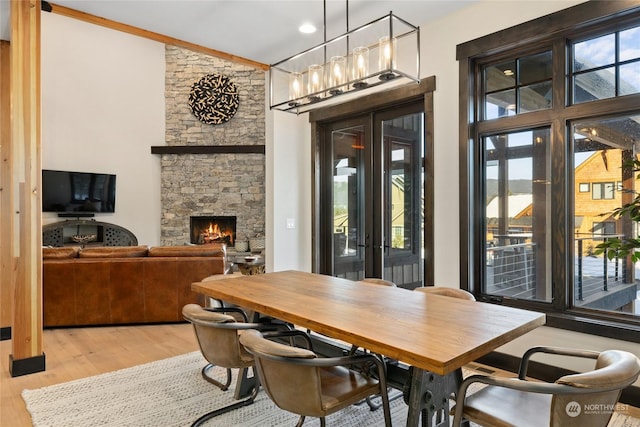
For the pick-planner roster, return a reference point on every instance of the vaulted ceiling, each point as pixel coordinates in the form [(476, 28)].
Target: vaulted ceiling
[(265, 31)]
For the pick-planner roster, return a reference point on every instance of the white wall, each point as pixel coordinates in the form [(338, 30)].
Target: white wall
[(102, 110), (289, 184)]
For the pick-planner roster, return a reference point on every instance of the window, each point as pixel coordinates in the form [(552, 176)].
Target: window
[(603, 190), (552, 173), (606, 66), (518, 86)]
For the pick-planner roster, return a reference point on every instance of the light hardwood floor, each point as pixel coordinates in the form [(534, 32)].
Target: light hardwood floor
[(81, 352)]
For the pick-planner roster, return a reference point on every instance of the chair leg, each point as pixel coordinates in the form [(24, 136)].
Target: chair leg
[(301, 421), (240, 404), (223, 387)]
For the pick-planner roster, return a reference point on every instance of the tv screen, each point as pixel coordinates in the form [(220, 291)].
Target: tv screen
[(64, 191)]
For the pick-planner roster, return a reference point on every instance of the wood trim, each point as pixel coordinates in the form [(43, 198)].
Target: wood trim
[(6, 218), (107, 23), (375, 100), (207, 149), (526, 33)]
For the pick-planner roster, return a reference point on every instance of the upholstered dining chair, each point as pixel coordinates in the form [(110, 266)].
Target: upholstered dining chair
[(299, 381), (376, 281), (568, 402), (217, 331), (447, 292)]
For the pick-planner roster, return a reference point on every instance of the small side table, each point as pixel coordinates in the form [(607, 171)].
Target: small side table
[(250, 267)]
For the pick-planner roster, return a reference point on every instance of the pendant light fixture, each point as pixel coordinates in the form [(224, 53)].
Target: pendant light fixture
[(381, 51)]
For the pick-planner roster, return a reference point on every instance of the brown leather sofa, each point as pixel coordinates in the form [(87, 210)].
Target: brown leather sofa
[(124, 285)]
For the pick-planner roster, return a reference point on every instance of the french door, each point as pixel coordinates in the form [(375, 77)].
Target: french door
[(372, 209)]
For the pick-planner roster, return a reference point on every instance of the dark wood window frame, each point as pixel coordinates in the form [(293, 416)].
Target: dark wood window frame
[(374, 102), (579, 21)]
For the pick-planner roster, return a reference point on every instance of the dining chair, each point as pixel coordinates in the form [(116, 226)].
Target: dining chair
[(376, 281), (299, 381), (217, 331), (447, 292), (577, 400)]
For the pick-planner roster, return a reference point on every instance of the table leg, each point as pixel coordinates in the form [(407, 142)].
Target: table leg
[(429, 397), (244, 384)]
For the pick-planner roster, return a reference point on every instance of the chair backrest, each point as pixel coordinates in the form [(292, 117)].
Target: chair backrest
[(614, 371), (294, 387), (217, 335), (377, 281), (447, 292)]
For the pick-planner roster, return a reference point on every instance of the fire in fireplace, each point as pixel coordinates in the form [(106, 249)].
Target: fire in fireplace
[(213, 229)]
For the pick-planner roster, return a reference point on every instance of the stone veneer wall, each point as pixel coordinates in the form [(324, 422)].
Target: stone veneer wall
[(212, 184)]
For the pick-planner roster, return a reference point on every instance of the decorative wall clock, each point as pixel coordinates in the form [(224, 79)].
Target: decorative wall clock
[(214, 99)]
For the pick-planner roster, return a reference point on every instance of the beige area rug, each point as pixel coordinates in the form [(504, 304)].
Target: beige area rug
[(171, 392)]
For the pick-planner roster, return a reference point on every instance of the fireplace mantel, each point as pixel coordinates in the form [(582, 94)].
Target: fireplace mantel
[(206, 149)]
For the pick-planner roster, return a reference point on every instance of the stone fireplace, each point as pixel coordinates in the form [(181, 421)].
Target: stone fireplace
[(213, 229), (214, 171)]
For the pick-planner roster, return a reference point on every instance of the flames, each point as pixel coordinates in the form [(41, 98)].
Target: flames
[(214, 234)]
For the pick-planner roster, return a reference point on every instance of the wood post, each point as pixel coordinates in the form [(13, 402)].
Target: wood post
[(25, 208), (6, 276)]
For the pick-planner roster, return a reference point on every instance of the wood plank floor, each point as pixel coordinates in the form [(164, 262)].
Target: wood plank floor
[(82, 352)]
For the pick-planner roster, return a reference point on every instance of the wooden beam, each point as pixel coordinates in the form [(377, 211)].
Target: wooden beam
[(207, 149), (107, 23), (6, 276), (26, 236)]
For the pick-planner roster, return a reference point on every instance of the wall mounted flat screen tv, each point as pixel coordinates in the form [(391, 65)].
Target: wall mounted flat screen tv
[(82, 192)]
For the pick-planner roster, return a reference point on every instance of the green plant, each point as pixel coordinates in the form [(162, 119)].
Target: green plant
[(621, 248)]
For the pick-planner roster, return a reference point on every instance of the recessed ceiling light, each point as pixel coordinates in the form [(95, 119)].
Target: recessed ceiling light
[(307, 28), (508, 72)]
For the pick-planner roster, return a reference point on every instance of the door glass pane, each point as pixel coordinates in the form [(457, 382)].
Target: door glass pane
[(403, 202), (603, 148), (348, 211), (518, 215)]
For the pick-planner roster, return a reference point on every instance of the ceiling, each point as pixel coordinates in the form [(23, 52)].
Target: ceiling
[(260, 30)]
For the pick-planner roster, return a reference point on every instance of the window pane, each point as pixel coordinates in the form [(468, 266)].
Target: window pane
[(630, 44), (500, 104), (594, 53), (596, 192), (517, 215), (535, 97), (630, 78), (535, 68), (601, 149), (594, 85), (500, 76)]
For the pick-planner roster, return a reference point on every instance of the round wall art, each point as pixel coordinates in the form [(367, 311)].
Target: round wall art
[(214, 99)]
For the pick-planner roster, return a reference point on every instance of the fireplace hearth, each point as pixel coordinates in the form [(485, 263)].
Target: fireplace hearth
[(213, 229)]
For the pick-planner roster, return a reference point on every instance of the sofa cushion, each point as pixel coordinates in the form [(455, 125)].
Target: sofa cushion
[(114, 252), (60, 253), (212, 249)]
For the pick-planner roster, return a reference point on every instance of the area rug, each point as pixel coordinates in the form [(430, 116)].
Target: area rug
[(170, 392)]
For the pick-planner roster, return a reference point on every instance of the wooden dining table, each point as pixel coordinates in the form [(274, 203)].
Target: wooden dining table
[(435, 335)]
